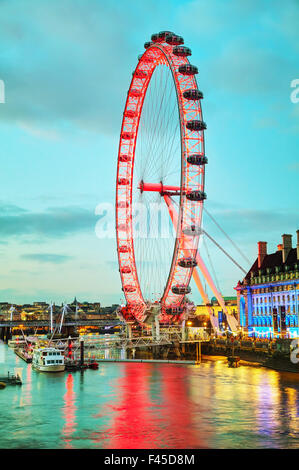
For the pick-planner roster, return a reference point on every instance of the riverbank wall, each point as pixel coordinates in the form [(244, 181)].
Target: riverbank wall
[(277, 361), (189, 352)]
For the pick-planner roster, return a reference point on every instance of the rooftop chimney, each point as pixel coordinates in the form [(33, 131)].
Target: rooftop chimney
[(279, 247), (286, 246), (297, 244), (262, 251)]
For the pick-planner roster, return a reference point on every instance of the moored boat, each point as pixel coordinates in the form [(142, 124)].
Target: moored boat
[(93, 365), (48, 360), (11, 379), (15, 343), (24, 353)]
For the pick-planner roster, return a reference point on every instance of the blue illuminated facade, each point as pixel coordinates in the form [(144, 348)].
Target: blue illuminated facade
[(268, 296)]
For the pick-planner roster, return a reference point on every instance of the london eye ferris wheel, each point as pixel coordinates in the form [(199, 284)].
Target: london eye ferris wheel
[(161, 164)]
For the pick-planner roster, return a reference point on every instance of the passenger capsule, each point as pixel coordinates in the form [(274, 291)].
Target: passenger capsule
[(195, 125), (174, 40), (129, 288), (147, 44), (174, 310), (181, 51), (187, 262), (188, 69), (197, 159), (196, 196), (122, 228), (193, 94), (123, 181), (130, 113), (180, 289), (155, 38), (192, 231), (124, 158), (123, 249), (127, 135), (135, 93), (125, 270), (140, 74), (163, 34), (123, 204)]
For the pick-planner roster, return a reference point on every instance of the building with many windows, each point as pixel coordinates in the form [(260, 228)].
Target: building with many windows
[(268, 296)]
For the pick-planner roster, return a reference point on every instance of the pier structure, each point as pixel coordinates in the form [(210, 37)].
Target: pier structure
[(170, 342), (38, 323), (5, 333)]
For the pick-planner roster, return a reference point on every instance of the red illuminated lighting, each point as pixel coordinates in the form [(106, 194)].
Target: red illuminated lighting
[(192, 176)]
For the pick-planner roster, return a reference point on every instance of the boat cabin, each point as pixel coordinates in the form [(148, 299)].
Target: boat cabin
[(48, 356)]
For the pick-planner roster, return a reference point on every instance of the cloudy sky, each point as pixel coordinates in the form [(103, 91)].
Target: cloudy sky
[(67, 64)]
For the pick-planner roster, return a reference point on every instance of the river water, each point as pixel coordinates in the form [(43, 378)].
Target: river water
[(145, 405)]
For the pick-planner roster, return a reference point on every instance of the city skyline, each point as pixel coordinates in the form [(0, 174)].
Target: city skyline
[(66, 75)]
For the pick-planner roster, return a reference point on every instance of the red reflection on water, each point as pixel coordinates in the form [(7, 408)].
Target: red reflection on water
[(133, 426), (152, 412), (69, 411)]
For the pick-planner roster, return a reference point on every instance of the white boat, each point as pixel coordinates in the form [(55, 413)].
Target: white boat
[(15, 343), (48, 360), (21, 341)]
